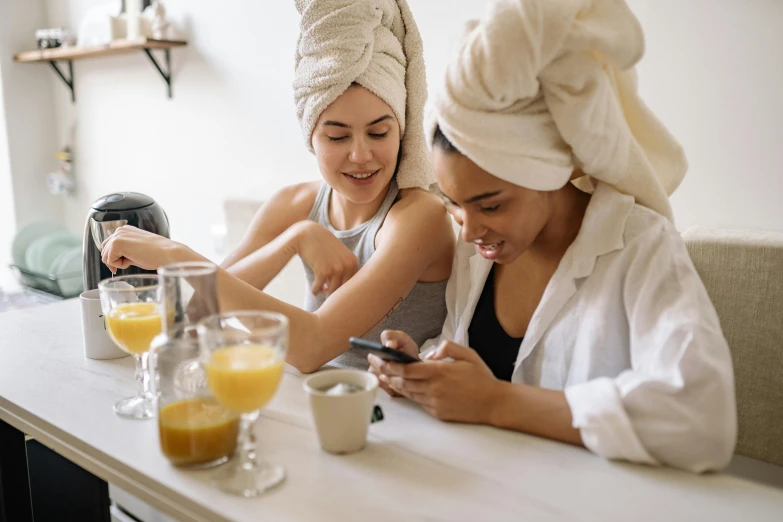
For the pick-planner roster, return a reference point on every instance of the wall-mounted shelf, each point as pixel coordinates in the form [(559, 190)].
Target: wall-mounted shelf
[(69, 54)]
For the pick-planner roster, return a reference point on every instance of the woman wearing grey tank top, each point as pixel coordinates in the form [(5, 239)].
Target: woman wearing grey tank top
[(378, 248), (376, 257)]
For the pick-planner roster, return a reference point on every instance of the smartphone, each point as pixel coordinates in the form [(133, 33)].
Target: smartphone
[(387, 354)]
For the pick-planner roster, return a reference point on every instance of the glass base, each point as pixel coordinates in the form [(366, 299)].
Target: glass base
[(138, 407), (247, 481), (203, 465)]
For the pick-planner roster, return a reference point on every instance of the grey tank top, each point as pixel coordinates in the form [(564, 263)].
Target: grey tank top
[(421, 314)]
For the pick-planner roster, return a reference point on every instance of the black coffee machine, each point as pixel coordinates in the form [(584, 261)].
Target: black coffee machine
[(107, 215)]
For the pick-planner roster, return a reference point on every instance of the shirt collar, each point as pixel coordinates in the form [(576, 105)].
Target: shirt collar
[(602, 231)]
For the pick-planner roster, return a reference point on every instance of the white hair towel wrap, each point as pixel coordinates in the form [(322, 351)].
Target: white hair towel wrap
[(539, 88), (376, 44)]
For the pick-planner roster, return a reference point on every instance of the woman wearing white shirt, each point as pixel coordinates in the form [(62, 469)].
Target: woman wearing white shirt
[(586, 320)]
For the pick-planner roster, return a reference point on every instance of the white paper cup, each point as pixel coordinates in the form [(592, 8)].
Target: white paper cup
[(341, 421), (97, 343)]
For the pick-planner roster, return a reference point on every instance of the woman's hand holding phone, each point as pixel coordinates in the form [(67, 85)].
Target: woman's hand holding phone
[(395, 340)]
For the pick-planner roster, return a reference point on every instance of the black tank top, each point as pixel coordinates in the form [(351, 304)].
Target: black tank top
[(485, 335)]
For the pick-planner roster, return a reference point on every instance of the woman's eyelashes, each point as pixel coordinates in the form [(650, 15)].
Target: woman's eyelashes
[(450, 205), (373, 135)]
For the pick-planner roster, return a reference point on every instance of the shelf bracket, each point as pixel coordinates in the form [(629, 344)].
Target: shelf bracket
[(68, 82), (165, 75)]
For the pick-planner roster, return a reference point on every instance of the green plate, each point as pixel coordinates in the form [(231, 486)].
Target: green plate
[(68, 262), (42, 252), (26, 236)]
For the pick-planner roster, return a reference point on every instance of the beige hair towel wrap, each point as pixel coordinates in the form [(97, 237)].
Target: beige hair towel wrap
[(541, 87), (376, 44)]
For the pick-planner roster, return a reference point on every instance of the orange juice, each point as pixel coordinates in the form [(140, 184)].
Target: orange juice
[(198, 430), (244, 377), (133, 325)]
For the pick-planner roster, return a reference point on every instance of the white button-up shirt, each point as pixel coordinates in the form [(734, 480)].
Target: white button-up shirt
[(627, 330)]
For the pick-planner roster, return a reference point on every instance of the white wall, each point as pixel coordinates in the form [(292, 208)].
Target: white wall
[(7, 218), (230, 130), (714, 74), (28, 125)]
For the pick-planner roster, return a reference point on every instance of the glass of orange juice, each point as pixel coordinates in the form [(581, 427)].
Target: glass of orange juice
[(131, 312), (243, 354), (194, 429)]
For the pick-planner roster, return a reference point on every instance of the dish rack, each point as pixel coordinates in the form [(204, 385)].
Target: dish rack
[(65, 286)]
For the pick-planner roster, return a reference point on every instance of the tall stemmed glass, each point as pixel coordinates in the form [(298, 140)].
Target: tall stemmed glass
[(243, 353), (132, 313)]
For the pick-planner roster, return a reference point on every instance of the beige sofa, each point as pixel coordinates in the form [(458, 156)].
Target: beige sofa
[(743, 273)]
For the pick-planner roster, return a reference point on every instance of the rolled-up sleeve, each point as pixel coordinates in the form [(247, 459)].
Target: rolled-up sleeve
[(675, 405), (598, 413)]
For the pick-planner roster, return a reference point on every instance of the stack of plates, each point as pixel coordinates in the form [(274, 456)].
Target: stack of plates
[(47, 249)]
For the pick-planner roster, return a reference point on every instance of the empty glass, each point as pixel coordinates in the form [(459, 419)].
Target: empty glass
[(188, 293)]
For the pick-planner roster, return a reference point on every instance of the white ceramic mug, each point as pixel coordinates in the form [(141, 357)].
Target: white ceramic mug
[(97, 343), (341, 421)]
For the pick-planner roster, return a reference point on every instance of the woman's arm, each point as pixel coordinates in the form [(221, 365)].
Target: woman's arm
[(533, 410), (261, 266), (271, 240), (455, 384), (413, 241), (675, 405), (418, 235), (331, 261)]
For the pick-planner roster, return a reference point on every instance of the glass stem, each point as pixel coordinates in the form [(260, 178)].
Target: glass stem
[(143, 375), (247, 441)]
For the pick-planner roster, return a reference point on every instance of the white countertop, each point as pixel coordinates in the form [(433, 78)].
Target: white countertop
[(414, 467)]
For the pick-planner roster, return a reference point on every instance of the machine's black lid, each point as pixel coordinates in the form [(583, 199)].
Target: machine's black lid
[(122, 201)]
